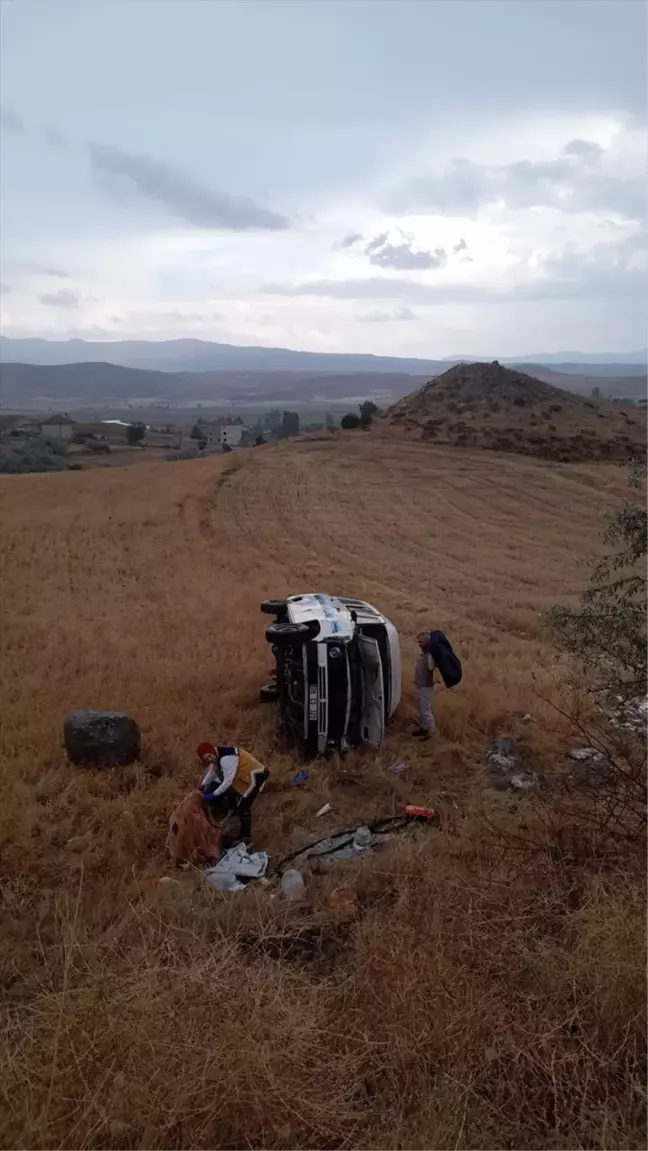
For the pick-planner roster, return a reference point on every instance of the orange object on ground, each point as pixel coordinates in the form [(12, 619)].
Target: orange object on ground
[(192, 838), (421, 812)]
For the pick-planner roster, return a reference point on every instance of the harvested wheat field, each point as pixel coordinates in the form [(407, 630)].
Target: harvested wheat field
[(464, 988)]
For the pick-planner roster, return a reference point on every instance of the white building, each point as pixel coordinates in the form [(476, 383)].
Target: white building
[(56, 427), (225, 430)]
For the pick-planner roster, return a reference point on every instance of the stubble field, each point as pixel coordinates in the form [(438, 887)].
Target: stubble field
[(455, 992)]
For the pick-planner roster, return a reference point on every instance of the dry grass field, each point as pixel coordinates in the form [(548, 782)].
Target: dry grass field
[(462, 989)]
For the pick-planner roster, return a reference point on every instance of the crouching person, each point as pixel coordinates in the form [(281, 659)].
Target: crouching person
[(232, 782)]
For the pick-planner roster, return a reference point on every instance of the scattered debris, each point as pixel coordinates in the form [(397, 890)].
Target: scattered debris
[(323, 810), (101, 738), (526, 718), (292, 885), (301, 779), (223, 881), (398, 768), (343, 846), (234, 865), (422, 814), (589, 754), (630, 715), (328, 852), (507, 768), (527, 781), (589, 767), (362, 838)]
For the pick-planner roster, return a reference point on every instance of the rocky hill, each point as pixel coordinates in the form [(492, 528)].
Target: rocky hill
[(490, 406)]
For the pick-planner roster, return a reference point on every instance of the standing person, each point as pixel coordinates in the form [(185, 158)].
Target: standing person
[(424, 683), (233, 780)]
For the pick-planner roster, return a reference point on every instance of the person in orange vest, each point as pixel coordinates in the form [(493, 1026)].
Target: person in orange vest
[(232, 781)]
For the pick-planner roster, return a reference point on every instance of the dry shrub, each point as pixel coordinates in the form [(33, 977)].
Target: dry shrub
[(470, 1001)]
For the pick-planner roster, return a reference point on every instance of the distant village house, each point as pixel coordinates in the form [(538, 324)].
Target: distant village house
[(226, 430), (56, 427)]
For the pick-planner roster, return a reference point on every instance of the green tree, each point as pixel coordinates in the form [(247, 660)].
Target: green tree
[(33, 454), (135, 432), (272, 420), (607, 633), (196, 432), (289, 424), (606, 636), (367, 412), (350, 420)]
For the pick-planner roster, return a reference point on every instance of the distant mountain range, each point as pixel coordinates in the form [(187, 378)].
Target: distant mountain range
[(203, 356), (564, 359)]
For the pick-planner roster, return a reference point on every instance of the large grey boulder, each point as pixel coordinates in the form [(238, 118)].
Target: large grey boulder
[(101, 738)]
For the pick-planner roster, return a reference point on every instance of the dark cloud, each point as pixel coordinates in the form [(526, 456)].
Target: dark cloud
[(54, 138), (402, 255), (11, 120), (403, 313), (589, 150), (64, 298), (460, 247), (575, 181), (202, 207), (376, 243), (350, 240)]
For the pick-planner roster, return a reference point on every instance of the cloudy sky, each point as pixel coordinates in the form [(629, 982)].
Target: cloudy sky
[(408, 177)]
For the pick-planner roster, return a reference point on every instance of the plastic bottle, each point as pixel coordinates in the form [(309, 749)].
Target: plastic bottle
[(292, 884), (362, 838)]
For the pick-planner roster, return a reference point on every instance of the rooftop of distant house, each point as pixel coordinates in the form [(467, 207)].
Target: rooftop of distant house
[(55, 418), (224, 421)]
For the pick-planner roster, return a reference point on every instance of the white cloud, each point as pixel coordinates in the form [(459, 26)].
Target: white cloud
[(394, 317), (583, 177)]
